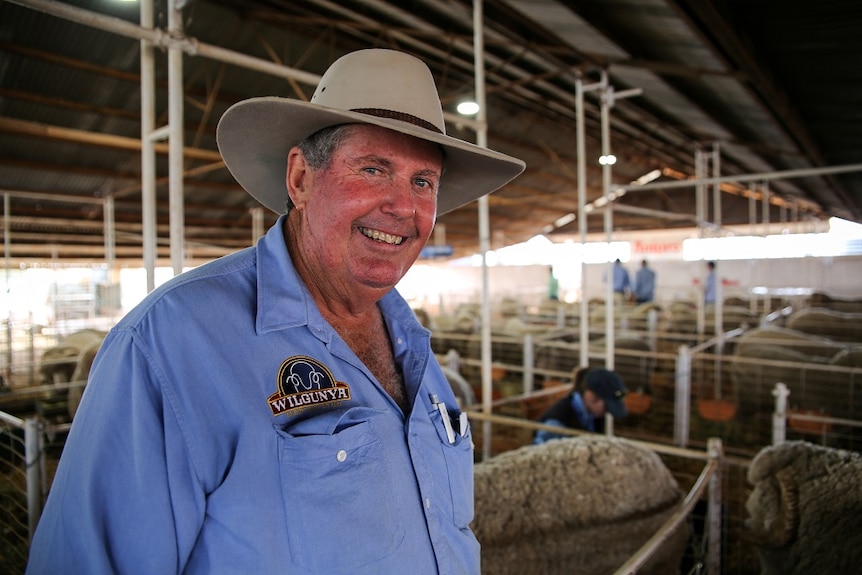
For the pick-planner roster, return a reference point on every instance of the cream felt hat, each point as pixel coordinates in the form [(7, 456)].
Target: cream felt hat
[(382, 87)]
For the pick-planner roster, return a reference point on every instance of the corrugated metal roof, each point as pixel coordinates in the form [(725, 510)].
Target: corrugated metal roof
[(775, 85)]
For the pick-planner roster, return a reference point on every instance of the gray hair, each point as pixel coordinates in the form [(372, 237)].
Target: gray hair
[(319, 147)]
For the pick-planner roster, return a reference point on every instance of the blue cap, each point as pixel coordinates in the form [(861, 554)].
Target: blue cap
[(610, 388)]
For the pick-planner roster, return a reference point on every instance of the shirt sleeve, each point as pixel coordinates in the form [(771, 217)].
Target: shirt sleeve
[(141, 513)]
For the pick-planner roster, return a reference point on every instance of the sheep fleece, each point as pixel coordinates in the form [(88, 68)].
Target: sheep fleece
[(804, 512), (578, 505)]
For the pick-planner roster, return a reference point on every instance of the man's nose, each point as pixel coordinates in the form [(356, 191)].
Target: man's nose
[(399, 198)]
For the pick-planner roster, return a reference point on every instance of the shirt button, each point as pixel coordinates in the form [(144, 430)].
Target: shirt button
[(427, 503), (400, 341), (341, 455)]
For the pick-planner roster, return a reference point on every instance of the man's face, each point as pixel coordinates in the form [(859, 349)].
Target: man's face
[(366, 217), (594, 404)]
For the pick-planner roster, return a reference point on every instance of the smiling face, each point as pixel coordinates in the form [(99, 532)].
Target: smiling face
[(361, 221)]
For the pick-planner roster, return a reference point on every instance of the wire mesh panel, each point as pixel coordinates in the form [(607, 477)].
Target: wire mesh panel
[(14, 534)]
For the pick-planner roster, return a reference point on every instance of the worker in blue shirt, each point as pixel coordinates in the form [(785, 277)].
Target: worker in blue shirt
[(622, 282), (644, 283), (709, 285), (594, 393), (279, 410)]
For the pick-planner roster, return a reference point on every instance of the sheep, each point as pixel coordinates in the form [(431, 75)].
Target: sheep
[(822, 300), (81, 374), (805, 363), (803, 514), (70, 361), (576, 505), (835, 325), (58, 363)]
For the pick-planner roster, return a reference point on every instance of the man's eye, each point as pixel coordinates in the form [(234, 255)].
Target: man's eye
[(371, 170)]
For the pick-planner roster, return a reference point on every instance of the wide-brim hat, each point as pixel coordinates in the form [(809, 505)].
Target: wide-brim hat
[(385, 88), (610, 387)]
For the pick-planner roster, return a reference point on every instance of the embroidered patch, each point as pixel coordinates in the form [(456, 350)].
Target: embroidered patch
[(303, 382)]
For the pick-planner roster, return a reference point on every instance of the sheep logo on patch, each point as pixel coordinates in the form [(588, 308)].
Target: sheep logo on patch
[(303, 382)]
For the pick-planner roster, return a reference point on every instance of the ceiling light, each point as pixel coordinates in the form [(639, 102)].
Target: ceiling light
[(608, 160), (563, 220), (648, 177), (468, 108)]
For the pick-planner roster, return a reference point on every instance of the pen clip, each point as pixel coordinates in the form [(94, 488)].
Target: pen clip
[(444, 413)]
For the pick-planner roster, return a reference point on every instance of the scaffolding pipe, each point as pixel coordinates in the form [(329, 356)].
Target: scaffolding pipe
[(583, 323), (7, 255), (159, 38), (529, 362), (716, 189), (699, 199), (32, 453), (148, 148), (682, 397), (800, 173), (110, 232), (713, 549), (606, 103), (176, 118), (484, 227)]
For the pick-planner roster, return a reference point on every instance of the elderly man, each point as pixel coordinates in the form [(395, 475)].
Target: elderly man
[(279, 410)]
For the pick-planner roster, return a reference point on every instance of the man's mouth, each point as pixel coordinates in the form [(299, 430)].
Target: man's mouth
[(379, 236)]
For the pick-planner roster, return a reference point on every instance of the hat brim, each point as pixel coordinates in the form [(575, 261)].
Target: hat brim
[(617, 408), (254, 137)]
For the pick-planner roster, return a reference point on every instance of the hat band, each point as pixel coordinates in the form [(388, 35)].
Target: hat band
[(393, 115)]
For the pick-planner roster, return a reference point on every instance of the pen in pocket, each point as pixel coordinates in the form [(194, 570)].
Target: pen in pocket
[(447, 422)]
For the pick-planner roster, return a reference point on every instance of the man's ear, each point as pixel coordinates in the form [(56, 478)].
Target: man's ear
[(298, 178)]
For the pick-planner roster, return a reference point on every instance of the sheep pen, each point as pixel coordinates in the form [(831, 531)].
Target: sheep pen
[(577, 505)]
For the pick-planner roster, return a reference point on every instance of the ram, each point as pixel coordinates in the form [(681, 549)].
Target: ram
[(803, 514)]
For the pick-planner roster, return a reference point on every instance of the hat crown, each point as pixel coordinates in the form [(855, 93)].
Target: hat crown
[(382, 82)]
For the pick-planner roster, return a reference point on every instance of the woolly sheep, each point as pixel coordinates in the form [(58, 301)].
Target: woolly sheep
[(803, 515), (800, 361), (835, 325), (577, 505)]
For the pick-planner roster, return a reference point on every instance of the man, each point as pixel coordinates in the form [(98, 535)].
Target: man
[(594, 393), (644, 283), (709, 285), (622, 282), (279, 410)]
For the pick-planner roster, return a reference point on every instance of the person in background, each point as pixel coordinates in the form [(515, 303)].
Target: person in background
[(553, 286), (709, 284), (644, 283), (622, 282), (594, 393), (279, 410)]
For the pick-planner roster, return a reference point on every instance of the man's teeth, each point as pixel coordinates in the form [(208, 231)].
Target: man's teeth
[(382, 237)]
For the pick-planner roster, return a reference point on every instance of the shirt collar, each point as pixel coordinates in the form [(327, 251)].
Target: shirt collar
[(282, 299)]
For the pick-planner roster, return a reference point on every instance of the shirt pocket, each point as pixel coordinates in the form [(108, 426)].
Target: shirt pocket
[(337, 493), (459, 466)]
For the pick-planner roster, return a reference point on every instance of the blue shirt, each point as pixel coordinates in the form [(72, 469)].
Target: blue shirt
[(227, 428), (575, 408), (709, 293), (621, 279), (644, 284)]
